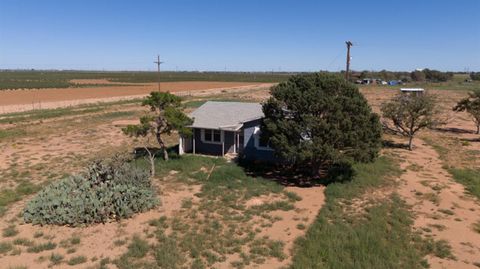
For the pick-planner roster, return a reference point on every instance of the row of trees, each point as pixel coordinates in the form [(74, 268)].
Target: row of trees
[(475, 75), (418, 75), (314, 121), (431, 75)]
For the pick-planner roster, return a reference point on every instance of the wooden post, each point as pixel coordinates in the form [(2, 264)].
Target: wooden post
[(234, 142), (223, 142), (180, 146), (193, 140)]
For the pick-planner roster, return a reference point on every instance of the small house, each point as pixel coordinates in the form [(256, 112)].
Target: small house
[(227, 128)]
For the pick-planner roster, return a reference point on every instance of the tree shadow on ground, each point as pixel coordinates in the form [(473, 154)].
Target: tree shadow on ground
[(394, 145), (474, 140), (454, 130), (298, 177), (141, 152)]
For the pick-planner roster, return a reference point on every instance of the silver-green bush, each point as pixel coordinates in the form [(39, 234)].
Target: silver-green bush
[(107, 190)]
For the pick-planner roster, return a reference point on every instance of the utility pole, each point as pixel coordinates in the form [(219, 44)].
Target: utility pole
[(347, 71), (158, 68)]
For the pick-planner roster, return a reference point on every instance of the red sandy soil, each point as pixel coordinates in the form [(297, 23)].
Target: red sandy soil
[(429, 188), (22, 100)]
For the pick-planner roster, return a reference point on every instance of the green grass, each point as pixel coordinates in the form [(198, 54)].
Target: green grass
[(44, 114), (440, 248), (10, 196), (56, 258), (75, 240), (23, 242), (218, 224), (41, 247), (9, 231), (138, 248), (76, 260), (380, 237), (12, 132), (469, 178), (5, 247)]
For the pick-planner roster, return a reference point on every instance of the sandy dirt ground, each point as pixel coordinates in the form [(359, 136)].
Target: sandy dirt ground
[(57, 147), (442, 208), (24, 100)]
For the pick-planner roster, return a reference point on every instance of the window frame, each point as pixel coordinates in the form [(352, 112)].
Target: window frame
[(257, 136), (212, 136)]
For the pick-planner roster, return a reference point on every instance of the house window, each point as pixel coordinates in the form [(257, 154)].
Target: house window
[(212, 136), (208, 135), (216, 136), (261, 141)]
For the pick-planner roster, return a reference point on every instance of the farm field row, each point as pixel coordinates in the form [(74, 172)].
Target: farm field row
[(79, 79), (16, 101)]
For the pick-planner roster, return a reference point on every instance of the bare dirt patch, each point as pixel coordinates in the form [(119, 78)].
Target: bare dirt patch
[(438, 201), (22, 100)]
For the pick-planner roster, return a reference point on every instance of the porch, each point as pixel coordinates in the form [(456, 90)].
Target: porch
[(218, 142)]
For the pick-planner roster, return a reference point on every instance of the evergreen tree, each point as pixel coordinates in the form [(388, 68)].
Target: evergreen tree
[(316, 120)]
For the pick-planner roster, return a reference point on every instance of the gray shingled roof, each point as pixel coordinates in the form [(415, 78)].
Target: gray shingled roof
[(225, 115)]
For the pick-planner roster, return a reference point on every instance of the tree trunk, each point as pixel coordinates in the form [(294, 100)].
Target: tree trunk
[(162, 146), (151, 158), (152, 166), (410, 144)]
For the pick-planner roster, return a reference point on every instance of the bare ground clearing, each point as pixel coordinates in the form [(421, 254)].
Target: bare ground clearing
[(442, 208)]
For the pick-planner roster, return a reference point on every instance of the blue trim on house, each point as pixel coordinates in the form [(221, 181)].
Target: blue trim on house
[(250, 152)]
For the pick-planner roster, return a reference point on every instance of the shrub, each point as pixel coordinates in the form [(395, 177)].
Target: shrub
[(77, 260), (108, 189), (10, 231), (41, 247), (5, 247), (56, 258)]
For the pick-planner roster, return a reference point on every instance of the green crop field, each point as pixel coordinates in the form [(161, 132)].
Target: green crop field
[(62, 79)]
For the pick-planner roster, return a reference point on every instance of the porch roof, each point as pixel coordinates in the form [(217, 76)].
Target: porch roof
[(225, 115)]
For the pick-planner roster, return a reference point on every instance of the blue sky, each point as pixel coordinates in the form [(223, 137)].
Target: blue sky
[(248, 35)]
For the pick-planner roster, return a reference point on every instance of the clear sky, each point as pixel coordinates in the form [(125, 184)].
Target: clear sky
[(242, 35)]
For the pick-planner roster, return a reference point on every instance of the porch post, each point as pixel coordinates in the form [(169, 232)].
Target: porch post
[(234, 142), (180, 146), (222, 134), (193, 141)]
